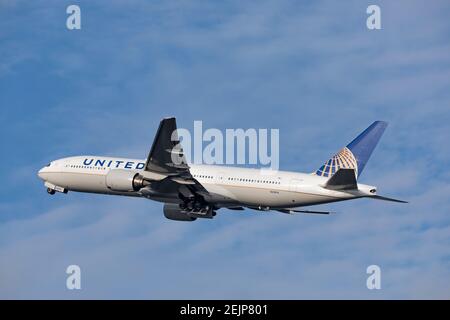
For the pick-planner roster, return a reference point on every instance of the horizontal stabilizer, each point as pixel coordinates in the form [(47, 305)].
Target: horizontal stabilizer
[(343, 179), (387, 199)]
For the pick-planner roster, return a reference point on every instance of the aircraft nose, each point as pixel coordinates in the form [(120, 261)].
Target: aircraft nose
[(41, 174)]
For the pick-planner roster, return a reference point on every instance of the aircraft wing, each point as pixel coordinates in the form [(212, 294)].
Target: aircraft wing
[(166, 155), (285, 210), (166, 159), (293, 210)]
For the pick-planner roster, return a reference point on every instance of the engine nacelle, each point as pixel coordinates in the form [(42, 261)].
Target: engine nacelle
[(173, 212), (125, 180)]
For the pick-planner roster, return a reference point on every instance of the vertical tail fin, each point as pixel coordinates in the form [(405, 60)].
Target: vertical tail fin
[(356, 154)]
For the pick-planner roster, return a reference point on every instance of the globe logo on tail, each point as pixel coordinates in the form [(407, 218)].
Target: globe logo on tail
[(343, 159)]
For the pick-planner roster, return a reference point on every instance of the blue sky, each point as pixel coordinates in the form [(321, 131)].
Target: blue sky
[(309, 68)]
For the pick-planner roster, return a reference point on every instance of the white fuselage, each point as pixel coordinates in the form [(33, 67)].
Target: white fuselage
[(230, 186)]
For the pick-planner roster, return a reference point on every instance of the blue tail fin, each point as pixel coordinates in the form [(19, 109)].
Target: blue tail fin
[(356, 154)]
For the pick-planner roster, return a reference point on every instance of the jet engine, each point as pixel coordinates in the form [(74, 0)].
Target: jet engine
[(125, 180), (173, 211)]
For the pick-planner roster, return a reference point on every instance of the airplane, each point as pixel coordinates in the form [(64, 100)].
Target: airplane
[(191, 191)]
